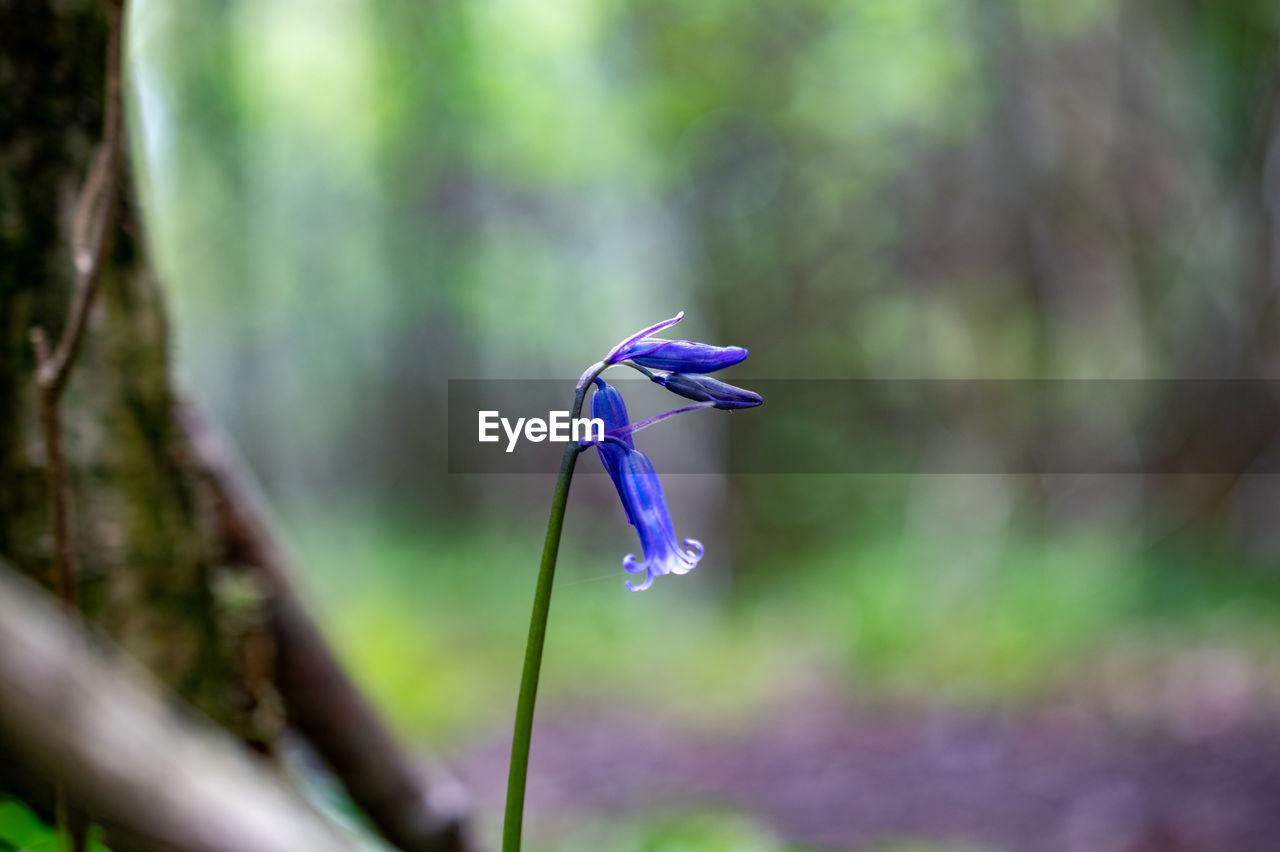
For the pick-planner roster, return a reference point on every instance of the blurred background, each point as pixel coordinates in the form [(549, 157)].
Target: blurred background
[(351, 206)]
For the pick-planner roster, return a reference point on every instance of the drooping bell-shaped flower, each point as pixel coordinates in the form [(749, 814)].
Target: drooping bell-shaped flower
[(608, 405), (706, 389), (641, 493), (685, 363), (647, 507)]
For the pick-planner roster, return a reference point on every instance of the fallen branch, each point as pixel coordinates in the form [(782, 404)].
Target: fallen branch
[(153, 776)]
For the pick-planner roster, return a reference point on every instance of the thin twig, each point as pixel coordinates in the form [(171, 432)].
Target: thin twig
[(94, 218), (90, 233)]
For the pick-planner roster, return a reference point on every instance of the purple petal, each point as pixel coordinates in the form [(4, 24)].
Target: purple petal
[(607, 405), (632, 587), (706, 389), (612, 358), (682, 356)]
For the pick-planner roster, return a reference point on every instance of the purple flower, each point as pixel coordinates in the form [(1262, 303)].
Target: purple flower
[(641, 494), (608, 405), (685, 362), (678, 356), (706, 389), (614, 356), (681, 356)]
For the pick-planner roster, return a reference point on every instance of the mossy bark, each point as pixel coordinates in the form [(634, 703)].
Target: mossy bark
[(153, 568)]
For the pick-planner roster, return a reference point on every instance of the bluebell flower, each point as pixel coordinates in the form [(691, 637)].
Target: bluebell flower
[(608, 405), (681, 356), (615, 355), (684, 363), (678, 356), (641, 493), (706, 389)]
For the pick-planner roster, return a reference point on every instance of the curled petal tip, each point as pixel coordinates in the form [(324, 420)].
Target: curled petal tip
[(640, 587), (646, 507), (614, 354), (689, 559)]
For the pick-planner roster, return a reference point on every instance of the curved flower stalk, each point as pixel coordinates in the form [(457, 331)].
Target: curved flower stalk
[(685, 363)]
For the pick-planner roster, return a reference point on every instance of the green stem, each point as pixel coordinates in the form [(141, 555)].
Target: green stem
[(519, 771)]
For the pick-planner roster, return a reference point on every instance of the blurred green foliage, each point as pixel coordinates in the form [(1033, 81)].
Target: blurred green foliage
[(351, 206), (22, 831), (874, 619)]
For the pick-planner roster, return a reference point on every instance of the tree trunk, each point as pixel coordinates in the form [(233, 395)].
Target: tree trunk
[(152, 573), (174, 562)]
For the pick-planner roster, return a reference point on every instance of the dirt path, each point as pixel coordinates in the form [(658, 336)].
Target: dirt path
[(839, 778)]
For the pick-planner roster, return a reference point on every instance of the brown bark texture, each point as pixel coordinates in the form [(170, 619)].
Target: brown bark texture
[(141, 526), (180, 576)]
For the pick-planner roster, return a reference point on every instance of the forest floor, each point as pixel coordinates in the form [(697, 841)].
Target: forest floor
[(1067, 696), (824, 774)]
